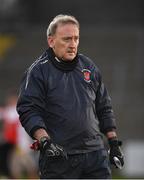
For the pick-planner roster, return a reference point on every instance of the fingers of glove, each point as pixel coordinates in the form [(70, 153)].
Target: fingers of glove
[(118, 162), (116, 151), (52, 152), (116, 157), (61, 150), (55, 150), (49, 153), (121, 159)]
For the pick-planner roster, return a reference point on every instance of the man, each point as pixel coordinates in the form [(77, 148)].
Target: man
[(64, 105)]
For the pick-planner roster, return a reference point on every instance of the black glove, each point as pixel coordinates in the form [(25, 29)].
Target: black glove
[(116, 155), (51, 149)]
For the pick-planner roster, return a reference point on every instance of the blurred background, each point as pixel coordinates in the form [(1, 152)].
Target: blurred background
[(112, 34)]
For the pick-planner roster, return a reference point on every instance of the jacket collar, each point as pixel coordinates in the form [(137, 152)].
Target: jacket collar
[(59, 63)]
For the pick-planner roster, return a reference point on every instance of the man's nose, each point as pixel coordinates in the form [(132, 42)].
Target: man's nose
[(73, 43)]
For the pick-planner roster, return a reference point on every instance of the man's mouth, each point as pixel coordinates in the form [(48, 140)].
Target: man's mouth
[(71, 52)]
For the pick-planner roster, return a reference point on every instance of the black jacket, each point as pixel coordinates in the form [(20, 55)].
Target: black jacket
[(68, 99)]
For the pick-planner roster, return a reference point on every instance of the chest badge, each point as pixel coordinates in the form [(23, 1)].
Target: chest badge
[(86, 74)]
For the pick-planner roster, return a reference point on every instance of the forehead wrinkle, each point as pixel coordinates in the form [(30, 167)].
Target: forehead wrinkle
[(66, 30)]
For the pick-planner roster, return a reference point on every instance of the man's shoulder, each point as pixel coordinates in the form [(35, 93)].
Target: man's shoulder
[(41, 60), (87, 61)]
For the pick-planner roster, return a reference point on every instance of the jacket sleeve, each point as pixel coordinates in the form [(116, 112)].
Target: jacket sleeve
[(31, 101), (104, 108)]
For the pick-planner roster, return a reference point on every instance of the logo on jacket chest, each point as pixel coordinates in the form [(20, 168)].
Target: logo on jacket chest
[(87, 75)]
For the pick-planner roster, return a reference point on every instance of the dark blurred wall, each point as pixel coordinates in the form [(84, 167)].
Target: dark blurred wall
[(88, 12)]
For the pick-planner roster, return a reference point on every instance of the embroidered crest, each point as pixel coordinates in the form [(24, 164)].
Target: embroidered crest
[(86, 73)]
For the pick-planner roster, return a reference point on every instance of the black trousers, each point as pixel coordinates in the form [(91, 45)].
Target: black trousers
[(92, 165)]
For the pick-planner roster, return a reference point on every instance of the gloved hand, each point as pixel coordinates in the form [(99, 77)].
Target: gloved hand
[(51, 149), (116, 155)]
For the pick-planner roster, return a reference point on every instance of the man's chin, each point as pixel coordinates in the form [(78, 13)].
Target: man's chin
[(70, 57)]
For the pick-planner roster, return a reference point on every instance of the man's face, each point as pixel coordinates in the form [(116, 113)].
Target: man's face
[(65, 41)]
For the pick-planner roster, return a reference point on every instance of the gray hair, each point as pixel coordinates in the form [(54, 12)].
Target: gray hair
[(61, 19)]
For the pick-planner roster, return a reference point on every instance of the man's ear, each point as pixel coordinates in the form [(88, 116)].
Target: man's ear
[(50, 40)]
